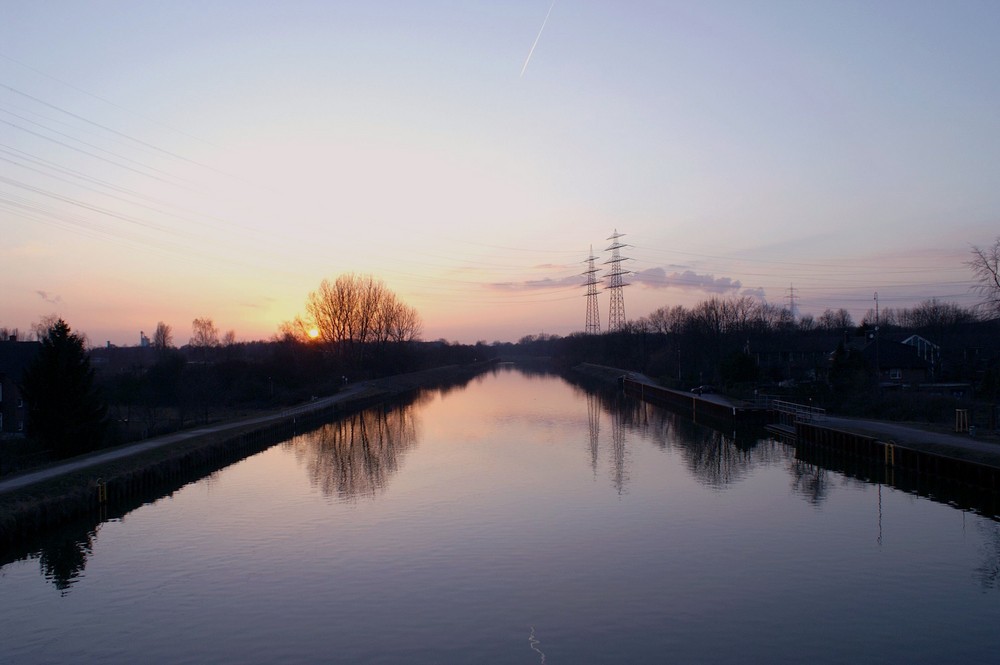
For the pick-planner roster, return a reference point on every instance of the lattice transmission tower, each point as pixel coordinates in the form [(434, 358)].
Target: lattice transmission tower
[(593, 315), (791, 301), (616, 317)]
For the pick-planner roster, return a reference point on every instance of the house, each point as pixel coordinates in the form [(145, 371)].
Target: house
[(15, 357), (927, 351), (897, 363)]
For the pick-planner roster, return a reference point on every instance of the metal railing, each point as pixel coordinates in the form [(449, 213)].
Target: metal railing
[(790, 411)]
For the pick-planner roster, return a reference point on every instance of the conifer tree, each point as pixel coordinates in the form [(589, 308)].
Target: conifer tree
[(65, 411)]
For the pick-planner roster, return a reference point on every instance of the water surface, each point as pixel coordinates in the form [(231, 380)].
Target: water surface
[(518, 519)]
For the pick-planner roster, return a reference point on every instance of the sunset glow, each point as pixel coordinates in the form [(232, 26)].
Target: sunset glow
[(163, 162)]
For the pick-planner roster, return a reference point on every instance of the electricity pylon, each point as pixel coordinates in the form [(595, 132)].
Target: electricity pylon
[(593, 315), (616, 317)]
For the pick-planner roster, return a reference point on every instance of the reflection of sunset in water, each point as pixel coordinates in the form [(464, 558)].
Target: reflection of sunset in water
[(507, 396), (610, 531)]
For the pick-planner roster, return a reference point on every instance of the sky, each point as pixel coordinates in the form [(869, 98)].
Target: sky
[(167, 161)]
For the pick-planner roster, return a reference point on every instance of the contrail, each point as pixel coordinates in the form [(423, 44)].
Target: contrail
[(528, 59)]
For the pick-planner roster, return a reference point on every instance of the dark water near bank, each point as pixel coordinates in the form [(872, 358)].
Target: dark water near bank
[(518, 519)]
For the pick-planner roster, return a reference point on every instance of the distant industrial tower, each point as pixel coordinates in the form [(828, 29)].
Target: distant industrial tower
[(593, 315), (616, 318)]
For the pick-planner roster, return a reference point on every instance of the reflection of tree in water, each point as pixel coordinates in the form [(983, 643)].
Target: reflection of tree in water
[(63, 560), (810, 481), (715, 458), (355, 456), (62, 553), (813, 482)]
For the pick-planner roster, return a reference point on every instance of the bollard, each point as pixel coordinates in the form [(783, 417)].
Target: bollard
[(102, 491)]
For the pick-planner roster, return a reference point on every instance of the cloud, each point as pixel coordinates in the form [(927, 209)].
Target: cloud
[(657, 278), (652, 278), (538, 284), (53, 299), (263, 303)]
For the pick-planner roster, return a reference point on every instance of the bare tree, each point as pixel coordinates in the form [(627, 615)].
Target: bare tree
[(668, 319), (205, 333), (772, 316), (985, 266), (7, 334), (709, 317), (832, 320), (298, 329), (934, 313), (330, 310), (351, 312), (404, 323), (41, 327), (163, 338)]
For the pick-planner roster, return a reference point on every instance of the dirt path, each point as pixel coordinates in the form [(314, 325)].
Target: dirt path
[(20, 481)]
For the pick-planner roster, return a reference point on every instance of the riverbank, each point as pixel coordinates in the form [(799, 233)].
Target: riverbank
[(49, 496), (983, 448)]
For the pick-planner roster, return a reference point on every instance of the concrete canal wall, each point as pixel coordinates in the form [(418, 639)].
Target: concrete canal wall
[(941, 466), (890, 454), (967, 484), (706, 408)]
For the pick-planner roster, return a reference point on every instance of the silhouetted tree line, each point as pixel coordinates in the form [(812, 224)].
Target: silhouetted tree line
[(162, 390), (739, 343), (744, 344)]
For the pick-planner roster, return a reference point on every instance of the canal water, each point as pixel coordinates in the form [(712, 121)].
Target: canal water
[(515, 519)]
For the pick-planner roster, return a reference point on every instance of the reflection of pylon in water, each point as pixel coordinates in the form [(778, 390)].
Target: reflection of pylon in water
[(618, 447), (594, 421)]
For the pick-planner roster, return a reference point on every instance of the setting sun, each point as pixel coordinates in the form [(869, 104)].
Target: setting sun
[(313, 333)]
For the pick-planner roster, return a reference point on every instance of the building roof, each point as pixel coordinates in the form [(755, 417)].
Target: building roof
[(894, 355), (15, 357)]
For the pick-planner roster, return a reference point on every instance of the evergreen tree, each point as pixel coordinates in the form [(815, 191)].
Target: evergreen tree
[(65, 411)]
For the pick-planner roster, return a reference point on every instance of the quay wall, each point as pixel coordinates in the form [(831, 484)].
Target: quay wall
[(966, 483), (694, 406)]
